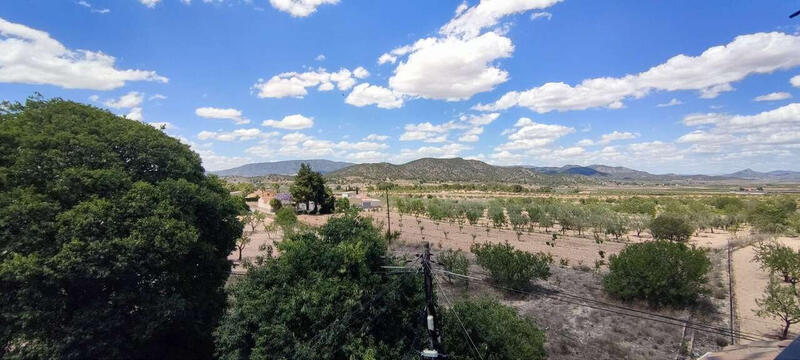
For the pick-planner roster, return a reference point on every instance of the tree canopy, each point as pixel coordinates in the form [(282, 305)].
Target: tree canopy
[(113, 241), (659, 272), (325, 297), (496, 329), (671, 227), (309, 186)]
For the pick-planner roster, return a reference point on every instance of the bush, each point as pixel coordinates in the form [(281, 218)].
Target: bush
[(286, 219), (113, 241), (342, 205), (497, 330), (510, 267), (659, 272), (671, 227), (275, 204), (455, 261)]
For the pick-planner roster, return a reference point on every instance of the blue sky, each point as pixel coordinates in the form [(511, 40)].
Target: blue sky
[(663, 86)]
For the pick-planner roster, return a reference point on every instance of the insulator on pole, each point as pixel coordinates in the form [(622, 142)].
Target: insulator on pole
[(430, 354)]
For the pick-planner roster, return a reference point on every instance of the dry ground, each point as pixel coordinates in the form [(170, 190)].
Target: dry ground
[(577, 331)]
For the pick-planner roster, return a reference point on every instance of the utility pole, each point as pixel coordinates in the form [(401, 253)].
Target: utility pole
[(431, 320), (388, 220)]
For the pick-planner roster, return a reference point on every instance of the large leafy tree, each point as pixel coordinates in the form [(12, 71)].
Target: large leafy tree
[(309, 186), (113, 241), (325, 297)]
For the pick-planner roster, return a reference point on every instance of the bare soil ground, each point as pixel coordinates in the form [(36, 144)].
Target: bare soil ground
[(573, 330), (749, 284), (577, 331)]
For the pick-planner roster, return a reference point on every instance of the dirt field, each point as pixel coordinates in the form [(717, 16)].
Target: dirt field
[(574, 331), (749, 284)]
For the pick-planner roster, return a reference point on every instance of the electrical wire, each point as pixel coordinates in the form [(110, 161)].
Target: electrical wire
[(573, 299), (453, 309)]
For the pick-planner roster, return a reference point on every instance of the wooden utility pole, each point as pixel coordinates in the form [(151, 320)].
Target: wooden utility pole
[(432, 319), (388, 220)]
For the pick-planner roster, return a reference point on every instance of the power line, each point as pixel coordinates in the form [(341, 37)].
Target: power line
[(452, 308), (664, 318)]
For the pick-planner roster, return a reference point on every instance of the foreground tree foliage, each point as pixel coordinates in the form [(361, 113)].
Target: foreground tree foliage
[(671, 227), (325, 297), (659, 272), (779, 259), (497, 330), (510, 267), (781, 302), (113, 242)]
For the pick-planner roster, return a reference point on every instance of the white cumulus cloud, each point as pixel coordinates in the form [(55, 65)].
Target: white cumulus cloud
[(452, 68), (365, 94), (291, 122), (31, 56), (710, 73), (298, 8), (773, 96), (218, 113)]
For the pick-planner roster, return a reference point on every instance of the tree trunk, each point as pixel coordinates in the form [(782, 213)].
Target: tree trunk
[(785, 330), (240, 254)]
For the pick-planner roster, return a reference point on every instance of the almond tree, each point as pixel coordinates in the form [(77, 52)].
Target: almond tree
[(780, 301)]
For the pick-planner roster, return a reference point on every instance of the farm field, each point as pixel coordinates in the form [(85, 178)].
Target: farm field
[(579, 264)]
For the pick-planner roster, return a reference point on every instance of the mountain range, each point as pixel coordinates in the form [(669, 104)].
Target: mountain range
[(288, 167), (465, 170)]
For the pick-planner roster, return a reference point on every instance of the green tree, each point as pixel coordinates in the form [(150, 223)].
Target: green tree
[(659, 272), (309, 186), (671, 227), (455, 261), (496, 329), (286, 219), (242, 243), (510, 267), (342, 205), (779, 259), (113, 241), (779, 301), (325, 297)]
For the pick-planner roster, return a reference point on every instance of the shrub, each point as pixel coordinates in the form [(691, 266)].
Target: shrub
[(342, 205), (659, 272), (286, 219), (496, 329), (671, 227), (455, 261), (510, 267), (275, 204)]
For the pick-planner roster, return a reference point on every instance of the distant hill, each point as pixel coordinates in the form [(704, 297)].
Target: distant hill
[(430, 169), (777, 175), (568, 170), (462, 170), (288, 167)]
